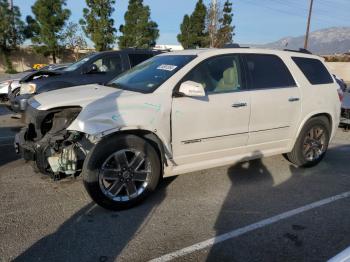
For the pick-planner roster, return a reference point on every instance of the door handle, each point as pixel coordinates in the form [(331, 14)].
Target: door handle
[(293, 99), (242, 104)]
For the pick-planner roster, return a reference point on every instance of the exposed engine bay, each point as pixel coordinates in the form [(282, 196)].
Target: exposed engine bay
[(46, 142)]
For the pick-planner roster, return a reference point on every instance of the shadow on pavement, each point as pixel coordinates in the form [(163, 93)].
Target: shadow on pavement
[(94, 234), (252, 186)]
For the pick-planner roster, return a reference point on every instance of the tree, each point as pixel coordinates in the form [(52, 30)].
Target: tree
[(219, 24), (32, 27), (139, 30), (73, 39), (185, 38), (50, 19), (98, 24), (193, 29), (226, 30), (11, 31)]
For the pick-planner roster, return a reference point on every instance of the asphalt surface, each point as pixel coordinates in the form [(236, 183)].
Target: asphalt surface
[(42, 220)]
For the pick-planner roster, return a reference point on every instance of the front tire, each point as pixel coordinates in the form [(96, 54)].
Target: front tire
[(312, 143), (121, 171)]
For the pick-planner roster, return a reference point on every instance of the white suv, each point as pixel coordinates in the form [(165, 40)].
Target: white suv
[(181, 112)]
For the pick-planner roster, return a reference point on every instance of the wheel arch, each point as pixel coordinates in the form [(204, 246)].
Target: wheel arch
[(326, 115), (151, 138)]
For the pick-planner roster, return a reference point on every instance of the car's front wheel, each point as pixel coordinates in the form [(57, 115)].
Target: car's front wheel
[(121, 171), (311, 144)]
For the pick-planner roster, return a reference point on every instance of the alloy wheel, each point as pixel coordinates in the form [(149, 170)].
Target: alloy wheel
[(125, 175), (314, 143)]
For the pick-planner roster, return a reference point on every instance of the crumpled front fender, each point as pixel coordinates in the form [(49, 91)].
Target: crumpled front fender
[(134, 113)]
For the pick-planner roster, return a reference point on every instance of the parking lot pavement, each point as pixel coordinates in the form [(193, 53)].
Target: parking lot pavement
[(42, 220)]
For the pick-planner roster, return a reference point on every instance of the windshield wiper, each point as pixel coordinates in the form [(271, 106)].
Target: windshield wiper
[(114, 85)]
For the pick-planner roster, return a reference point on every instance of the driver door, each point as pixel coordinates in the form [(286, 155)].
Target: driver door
[(214, 126)]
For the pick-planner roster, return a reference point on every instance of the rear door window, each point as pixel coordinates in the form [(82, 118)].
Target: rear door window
[(314, 70), (268, 71), (136, 59)]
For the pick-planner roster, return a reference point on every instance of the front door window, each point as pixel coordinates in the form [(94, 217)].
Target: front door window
[(219, 75)]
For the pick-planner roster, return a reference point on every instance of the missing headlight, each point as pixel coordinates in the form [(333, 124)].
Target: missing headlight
[(59, 120)]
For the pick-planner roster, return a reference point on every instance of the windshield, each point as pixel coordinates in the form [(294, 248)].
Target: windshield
[(77, 64), (149, 75)]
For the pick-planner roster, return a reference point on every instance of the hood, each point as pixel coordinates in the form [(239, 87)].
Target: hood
[(42, 74), (74, 96)]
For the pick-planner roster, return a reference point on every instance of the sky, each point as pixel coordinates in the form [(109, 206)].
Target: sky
[(256, 21)]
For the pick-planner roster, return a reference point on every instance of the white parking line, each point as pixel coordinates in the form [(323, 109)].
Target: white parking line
[(238, 232), (342, 257)]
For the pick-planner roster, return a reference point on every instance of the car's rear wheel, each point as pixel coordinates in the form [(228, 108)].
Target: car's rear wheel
[(121, 171), (312, 143)]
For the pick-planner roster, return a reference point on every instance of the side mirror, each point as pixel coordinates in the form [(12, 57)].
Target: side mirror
[(92, 69), (192, 89)]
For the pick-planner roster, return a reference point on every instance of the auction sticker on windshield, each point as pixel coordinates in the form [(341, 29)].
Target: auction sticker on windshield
[(167, 67)]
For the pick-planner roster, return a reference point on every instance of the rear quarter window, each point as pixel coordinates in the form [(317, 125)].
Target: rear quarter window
[(314, 70)]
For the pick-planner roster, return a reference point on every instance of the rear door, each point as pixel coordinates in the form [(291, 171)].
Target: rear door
[(275, 100)]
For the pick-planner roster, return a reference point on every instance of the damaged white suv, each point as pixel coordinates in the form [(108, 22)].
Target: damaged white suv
[(181, 112)]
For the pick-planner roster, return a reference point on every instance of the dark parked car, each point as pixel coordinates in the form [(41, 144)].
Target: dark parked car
[(96, 68), (11, 86)]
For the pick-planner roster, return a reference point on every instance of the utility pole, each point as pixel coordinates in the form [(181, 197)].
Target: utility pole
[(308, 25)]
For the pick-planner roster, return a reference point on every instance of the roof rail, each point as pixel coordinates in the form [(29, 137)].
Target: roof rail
[(301, 50), (234, 45)]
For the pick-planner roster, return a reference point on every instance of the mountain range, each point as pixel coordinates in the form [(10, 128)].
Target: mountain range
[(328, 41)]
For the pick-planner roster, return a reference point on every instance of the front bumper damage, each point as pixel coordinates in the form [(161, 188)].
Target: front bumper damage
[(49, 146)]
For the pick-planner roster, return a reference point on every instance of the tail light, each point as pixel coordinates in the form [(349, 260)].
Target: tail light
[(340, 94)]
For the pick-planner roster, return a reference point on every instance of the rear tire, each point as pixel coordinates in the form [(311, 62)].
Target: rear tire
[(121, 171), (312, 143)]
